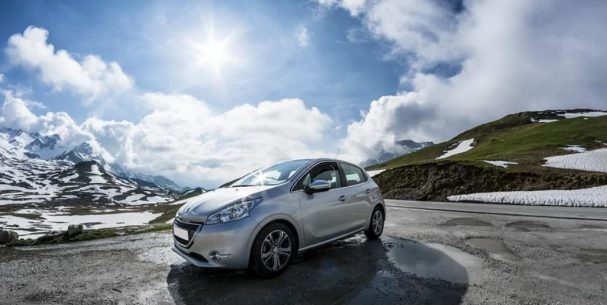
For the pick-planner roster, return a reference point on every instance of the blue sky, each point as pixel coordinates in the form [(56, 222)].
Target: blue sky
[(331, 72), (203, 91)]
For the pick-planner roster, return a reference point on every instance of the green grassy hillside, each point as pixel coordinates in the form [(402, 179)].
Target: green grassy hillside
[(517, 138)]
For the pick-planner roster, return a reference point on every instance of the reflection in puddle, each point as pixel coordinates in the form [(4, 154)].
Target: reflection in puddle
[(496, 249), (434, 261)]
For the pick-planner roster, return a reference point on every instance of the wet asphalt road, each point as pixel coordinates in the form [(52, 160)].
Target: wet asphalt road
[(427, 255)]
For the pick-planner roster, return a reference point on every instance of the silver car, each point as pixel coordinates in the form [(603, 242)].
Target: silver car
[(262, 220)]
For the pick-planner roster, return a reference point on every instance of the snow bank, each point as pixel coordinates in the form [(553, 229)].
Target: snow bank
[(462, 146), (570, 115), (594, 160), (590, 197), (503, 164)]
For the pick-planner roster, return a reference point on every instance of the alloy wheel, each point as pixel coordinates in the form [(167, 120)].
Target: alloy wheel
[(378, 222), (276, 250)]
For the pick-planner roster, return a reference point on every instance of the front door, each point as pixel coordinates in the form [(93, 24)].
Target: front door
[(324, 214)]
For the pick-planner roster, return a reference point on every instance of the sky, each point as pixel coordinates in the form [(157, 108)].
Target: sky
[(204, 91)]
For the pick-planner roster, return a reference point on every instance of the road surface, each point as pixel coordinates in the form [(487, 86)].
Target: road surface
[(430, 253)]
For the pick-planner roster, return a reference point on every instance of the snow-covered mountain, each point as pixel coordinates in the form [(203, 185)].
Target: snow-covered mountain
[(401, 147), (38, 168)]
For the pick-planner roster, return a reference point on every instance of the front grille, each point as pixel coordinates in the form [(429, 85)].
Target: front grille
[(190, 227)]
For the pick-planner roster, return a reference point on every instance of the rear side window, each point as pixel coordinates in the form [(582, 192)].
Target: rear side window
[(353, 174)]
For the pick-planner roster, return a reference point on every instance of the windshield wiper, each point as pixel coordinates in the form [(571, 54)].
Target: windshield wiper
[(243, 185)]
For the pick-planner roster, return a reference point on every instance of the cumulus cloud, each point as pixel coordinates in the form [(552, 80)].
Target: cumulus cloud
[(509, 56), (15, 113), (194, 144), (90, 76), (184, 139)]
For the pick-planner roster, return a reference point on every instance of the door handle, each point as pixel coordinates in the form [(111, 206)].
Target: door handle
[(342, 198), (368, 191)]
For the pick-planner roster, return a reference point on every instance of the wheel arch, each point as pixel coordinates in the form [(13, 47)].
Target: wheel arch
[(283, 220)]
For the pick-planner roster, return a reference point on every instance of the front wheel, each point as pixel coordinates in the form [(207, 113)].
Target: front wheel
[(273, 249), (376, 226)]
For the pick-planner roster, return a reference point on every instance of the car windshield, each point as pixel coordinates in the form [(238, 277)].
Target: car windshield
[(273, 175)]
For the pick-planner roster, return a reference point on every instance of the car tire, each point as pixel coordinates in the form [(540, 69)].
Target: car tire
[(272, 251), (376, 223)]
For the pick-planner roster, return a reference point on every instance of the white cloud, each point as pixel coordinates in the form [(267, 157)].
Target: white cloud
[(302, 36), (514, 56), (193, 144), (90, 77), (355, 7), (185, 140), (15, 113), (1, 77)]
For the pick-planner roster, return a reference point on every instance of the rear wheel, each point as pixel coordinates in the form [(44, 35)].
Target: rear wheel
[(376, 226), (273, 249)]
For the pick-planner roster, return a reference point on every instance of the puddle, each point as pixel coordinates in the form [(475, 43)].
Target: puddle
[(467, 222), (429, 260), (595, 256), (496, 249), (527, 225)]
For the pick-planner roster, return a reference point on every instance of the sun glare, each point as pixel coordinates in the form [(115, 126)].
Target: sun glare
[(213, 52)]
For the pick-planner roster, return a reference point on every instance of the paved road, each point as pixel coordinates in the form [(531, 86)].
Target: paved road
[(504, 209), (431, 253)]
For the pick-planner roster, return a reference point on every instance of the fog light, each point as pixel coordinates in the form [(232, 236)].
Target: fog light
[(215, 256)]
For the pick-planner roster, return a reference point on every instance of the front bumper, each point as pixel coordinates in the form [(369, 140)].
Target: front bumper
[(231, 240)]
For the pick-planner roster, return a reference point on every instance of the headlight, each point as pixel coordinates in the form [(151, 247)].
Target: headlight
[(234, 212)]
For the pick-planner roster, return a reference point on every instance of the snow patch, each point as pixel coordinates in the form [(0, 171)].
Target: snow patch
[(589, 197), (462, 146), (503, 164), (593, 160), (59, 221), (546, 121), (95, 170)]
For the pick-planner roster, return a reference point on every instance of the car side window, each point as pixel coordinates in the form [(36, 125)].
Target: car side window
[(324, 171), (353, 174)]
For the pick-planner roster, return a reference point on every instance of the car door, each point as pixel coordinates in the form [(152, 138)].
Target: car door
[(324, 214), (359, 190)]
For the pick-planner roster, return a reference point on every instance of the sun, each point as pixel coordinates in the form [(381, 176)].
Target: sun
[(213, 52)]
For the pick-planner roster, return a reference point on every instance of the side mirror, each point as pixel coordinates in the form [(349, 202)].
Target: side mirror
[(317, 186)]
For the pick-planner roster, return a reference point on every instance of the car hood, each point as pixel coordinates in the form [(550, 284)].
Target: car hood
[(198, 208)]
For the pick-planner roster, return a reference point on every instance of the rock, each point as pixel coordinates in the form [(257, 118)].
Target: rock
[(8, 237), (73, 230)]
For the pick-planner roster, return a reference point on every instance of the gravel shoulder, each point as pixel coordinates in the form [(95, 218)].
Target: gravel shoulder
[(426, 256)]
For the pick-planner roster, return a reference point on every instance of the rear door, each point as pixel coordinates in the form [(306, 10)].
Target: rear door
[(324, 214), (359, 190)]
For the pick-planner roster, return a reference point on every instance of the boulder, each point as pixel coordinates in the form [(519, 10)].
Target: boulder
[(8, 237), (73, 230)]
